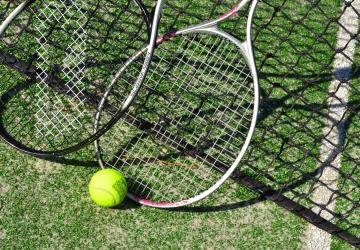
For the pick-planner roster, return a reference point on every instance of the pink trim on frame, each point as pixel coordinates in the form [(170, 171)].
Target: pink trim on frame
[(165, 37), (231, 12), (162, 204)]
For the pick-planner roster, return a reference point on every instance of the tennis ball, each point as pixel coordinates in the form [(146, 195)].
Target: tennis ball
[(108, 188)]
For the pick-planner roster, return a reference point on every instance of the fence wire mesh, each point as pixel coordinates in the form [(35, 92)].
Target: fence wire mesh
[(305, 153)]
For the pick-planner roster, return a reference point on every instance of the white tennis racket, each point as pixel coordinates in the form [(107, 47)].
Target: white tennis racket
[(193, 119)]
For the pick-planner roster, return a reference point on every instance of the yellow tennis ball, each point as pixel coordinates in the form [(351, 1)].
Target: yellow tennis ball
[(108, 188)]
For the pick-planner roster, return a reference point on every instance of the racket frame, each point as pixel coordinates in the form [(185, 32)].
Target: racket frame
[(93, 137), (246, 49)]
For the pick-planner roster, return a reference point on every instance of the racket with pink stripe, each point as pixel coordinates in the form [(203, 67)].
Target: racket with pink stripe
[(194, 116)]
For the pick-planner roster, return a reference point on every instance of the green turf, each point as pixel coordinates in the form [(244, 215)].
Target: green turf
[(46, 205)]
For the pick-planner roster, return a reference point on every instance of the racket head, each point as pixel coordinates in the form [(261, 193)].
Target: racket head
[(191, 123), (57, 58)]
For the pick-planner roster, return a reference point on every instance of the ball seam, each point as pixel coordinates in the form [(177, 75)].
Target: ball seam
[(106, 191)]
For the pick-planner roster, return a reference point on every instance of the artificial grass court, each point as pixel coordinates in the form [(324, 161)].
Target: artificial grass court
[(46, 204)]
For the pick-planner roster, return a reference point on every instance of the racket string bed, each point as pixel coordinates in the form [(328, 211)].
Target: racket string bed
[(174, 153), (50, 116)]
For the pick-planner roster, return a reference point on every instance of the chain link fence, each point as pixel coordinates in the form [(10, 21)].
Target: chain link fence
[(305, 153)]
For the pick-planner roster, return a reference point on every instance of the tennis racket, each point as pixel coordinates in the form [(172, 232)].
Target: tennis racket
[(56, 60), (193, 119)]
